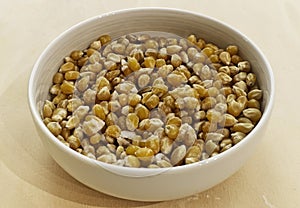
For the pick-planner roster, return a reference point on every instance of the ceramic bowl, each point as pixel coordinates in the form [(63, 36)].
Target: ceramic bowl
[(144, 184)]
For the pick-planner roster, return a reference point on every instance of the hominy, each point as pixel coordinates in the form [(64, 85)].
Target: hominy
[(144, 100)]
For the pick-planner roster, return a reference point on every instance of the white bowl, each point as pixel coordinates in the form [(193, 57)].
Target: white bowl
[(148, 184)]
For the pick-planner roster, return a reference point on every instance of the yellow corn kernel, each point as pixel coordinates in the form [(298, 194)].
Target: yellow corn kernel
[(133, 64), (67, 87), (132, 121), (113, 131)]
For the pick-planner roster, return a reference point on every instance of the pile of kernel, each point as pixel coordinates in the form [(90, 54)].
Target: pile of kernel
[(145, 100)]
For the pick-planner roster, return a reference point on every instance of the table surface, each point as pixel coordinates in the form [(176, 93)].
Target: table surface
[(29, 177)]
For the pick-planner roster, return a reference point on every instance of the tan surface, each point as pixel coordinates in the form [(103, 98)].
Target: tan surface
[(30, 178)]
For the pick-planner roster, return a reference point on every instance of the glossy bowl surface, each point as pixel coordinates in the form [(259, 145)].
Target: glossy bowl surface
[(148, 184)]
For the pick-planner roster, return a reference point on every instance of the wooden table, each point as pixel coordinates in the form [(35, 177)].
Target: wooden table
[(29, 177)]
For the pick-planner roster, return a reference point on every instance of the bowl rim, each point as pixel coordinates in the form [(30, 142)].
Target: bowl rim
[(131, 172)]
